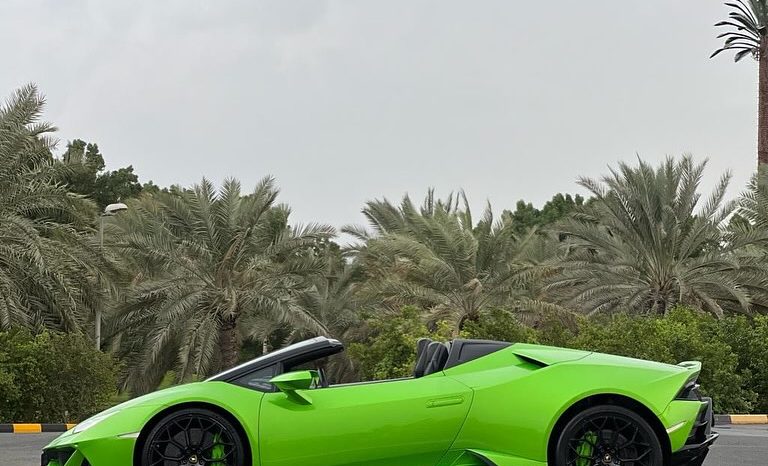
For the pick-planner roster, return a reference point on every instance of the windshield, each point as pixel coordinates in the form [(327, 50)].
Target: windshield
[(287, 349)]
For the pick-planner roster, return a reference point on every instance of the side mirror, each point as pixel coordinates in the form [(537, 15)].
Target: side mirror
[(290, 382)]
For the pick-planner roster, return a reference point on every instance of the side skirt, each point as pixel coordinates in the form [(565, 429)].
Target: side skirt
[(487, 458)]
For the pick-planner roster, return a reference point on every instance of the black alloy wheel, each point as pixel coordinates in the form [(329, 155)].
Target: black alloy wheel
[(193, 437), (608, 435)]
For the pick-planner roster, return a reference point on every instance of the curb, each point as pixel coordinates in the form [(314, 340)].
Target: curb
[(741, 419), (33, 428)]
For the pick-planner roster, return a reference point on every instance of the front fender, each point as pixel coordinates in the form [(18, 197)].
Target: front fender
[(111, 442)]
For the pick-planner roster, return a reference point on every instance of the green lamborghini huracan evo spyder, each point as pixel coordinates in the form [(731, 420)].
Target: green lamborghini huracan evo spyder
[(469, 403)]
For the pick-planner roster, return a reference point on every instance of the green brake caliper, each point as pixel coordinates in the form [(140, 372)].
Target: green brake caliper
[(586, 449), (217, 452)]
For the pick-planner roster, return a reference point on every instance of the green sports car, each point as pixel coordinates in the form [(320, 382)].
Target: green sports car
[(469, 403)]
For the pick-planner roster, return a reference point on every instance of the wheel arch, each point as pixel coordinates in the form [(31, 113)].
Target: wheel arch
[(186, 405), (610, 399)]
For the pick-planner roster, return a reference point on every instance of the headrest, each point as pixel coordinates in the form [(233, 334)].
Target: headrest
[(421, 357), (438, 356)]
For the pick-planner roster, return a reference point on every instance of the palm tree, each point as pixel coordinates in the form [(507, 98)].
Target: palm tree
[(748, 37), (436, 257), (650, 242), (333, 299), (330, 298), (50, 269), (205, 262)]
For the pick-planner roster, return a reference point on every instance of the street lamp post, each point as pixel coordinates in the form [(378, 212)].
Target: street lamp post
[(110, 210)]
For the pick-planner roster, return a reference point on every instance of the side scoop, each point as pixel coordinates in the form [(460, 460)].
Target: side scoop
[(547, 355)]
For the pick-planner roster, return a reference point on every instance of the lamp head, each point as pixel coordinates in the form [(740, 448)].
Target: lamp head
[(112, 209)]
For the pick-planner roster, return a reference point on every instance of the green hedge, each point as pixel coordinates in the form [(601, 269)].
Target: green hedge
[(390, 350), (53, 377)]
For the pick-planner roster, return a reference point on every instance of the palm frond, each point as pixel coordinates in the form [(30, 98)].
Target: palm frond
[(747, 23)]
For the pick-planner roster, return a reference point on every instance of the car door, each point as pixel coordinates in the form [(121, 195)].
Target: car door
[(408, 422)]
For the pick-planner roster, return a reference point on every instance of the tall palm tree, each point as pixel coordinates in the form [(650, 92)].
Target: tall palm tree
[(748, 36), (49, 267), (436, 257), (650, 242), (206, 260), (330, 298), (334, 301)]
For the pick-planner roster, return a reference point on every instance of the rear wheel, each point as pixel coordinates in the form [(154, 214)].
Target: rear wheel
[(193, 437), (608, 435)]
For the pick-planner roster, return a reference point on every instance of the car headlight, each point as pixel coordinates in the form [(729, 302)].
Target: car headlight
[(92, 421)]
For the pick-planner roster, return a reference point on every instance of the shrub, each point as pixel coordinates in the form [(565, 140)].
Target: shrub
[(9, 392), (52, 377), (749, 340), (558, 329), (499, 325), (390, 350), (757, 361)]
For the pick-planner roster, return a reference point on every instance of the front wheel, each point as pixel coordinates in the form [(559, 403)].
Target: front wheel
[(193, 437), (608, 435)]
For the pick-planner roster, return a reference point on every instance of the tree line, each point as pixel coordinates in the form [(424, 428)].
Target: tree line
[(191, 280)]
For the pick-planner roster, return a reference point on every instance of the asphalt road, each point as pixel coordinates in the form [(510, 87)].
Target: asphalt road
[(738, 445)]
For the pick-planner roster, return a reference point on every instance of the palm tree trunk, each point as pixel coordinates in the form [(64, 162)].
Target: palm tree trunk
[(473, 315), (229, 343), (762, 103)]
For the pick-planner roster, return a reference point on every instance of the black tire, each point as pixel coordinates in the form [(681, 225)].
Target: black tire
[(193, 437), (608, 435)]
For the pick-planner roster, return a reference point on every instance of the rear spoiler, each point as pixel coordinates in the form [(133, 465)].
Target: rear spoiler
[(690, 390), (694, 367)]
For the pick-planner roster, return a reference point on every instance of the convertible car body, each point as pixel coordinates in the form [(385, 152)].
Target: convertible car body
[(469, 403)]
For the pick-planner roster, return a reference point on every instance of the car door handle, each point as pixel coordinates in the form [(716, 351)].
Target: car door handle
[(448, 401)]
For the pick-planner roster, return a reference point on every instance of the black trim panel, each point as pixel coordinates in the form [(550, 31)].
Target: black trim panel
[(59, 455), (482, 458)]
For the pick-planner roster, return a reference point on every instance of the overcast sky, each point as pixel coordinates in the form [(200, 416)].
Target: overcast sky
[(344, 101)]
